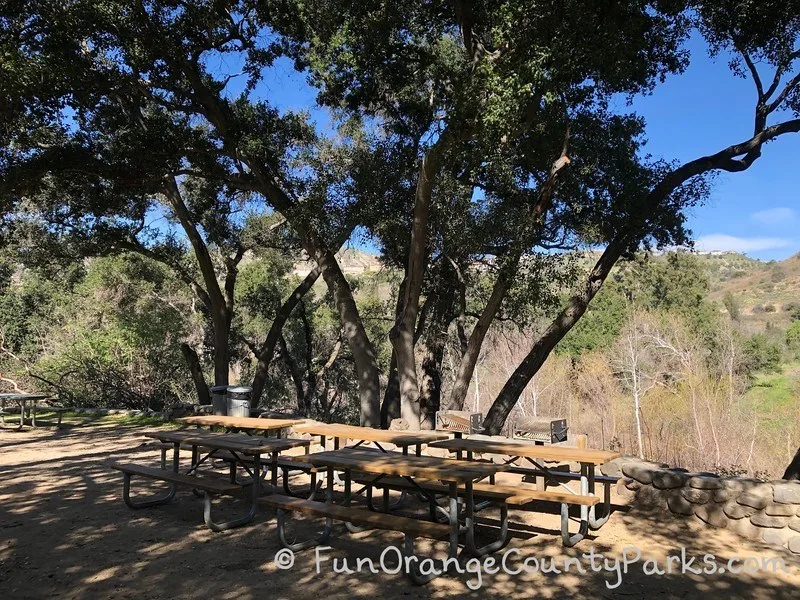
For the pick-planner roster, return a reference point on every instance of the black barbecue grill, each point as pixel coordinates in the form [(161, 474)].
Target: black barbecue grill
[(459, 421), (545, 430)]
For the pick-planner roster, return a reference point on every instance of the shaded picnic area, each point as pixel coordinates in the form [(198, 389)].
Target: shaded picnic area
[(67, 533)]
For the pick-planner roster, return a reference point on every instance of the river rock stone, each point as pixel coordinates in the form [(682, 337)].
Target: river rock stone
[(740, 484), (631, 484), (680, 506), (795, 524), (738, 511), (641, 472), (712, 514), (780, 510), (787, 492), (612, 468), (757, 497), (649, 496), (722, 495), (697, 496), (777, 537), (764, 520), (705, 482), (666, 480), (746, 529), (794, 544)]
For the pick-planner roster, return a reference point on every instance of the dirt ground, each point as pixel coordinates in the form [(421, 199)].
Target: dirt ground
[(65, 532)]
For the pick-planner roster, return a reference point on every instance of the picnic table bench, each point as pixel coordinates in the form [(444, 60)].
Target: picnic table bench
[(246, 451)]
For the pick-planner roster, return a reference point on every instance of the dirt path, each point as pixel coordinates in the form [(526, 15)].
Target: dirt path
[(65, 532)]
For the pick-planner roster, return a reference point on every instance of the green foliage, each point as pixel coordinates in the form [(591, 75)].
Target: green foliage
[(763, 353), (601, 324), (793, 338), (109, 339), (732, 305), (675, 283)]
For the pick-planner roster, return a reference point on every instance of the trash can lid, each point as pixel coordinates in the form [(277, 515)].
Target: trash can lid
[(240, 389), (219, 388)]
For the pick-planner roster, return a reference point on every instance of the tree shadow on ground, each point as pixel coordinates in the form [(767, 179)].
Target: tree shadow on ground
[(64, 531)]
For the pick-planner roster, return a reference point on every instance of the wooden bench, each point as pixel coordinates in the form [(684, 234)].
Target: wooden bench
[(511, 495), (411, 528), (358, 516), (208, 486), (504, 496)]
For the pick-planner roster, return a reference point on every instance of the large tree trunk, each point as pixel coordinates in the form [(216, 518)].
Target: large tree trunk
[(793, 470), (193, 362), (268, 348), (402, 334), (366, 364), (436, 339), (363, 354), (220, 307), (430, 398), (466, 367), (530, 365), (390, 409), (221, 325)]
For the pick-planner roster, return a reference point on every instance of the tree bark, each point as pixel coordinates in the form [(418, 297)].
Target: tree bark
[(268, 348), (390, 409), (193, 362), (530, 365), (296, 373), (431, 389), (793, 470), (220, 307), (402, 334), (356, 335)]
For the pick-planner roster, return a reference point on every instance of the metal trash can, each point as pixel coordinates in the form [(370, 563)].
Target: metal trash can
[(219, 400), (239, 400)]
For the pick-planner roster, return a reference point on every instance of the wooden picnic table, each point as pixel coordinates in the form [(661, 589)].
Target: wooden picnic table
[(209, 444), (402, 439), (459, 475), (247, 424), (528, 449), (533, 453), (235, 444), (22, 401)]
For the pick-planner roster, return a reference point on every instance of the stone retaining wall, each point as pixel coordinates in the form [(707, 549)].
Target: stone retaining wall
[(756, 510)]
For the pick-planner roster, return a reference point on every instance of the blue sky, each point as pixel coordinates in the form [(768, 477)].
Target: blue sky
[(704, 110), (699, 112)]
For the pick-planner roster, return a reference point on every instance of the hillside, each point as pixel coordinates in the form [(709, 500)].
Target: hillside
[(765, 290)]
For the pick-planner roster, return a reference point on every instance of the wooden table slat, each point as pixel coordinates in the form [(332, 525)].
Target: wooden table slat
[(394, 463), (546, 452), (249, 423), (225, 442), (367, 434)]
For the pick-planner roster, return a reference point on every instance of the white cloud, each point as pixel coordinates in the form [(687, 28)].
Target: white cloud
[(720, 241), (775, 216)]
